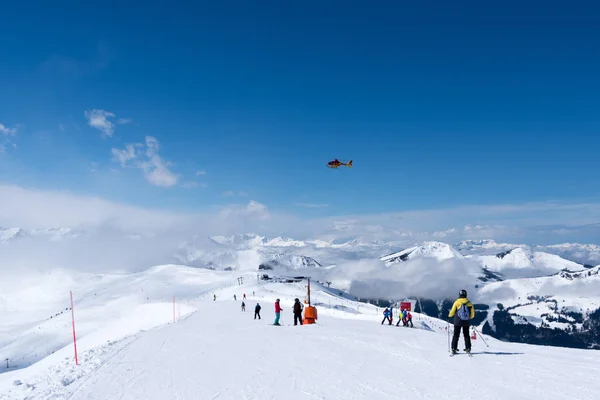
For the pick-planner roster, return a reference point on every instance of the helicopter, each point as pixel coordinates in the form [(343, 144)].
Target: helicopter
[(337, 163)]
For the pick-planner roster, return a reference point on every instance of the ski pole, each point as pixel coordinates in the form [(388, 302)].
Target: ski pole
[(481, 336), (448, 330)]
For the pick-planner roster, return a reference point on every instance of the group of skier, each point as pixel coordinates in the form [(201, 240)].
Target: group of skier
[(462, 311), (297, 310), (406, 317)]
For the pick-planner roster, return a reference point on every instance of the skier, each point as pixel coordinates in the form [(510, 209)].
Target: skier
[(463, 312), (409, 320), (244, 296), (257, 311), (298, 307), (214, 297), (404, 317), (386, 315), (278, 311), (243, 306), (401, 318), (234, 297)]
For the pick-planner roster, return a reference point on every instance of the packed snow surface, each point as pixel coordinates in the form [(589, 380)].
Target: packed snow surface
[(220, 352)]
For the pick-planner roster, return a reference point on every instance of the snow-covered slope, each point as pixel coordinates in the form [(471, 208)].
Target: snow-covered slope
[(35, 307), (243, 260), (447, 260), (437, 250), (547, 301), (51, 234), (588, 254), (523, 263), (252, 240), (483, 247), (569, 301), (290, 261), (221, 352)]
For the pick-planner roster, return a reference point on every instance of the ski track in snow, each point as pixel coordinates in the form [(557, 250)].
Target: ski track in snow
[(222, 353)]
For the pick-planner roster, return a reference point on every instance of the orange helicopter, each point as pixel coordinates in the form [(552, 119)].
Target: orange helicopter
[(337, 163)]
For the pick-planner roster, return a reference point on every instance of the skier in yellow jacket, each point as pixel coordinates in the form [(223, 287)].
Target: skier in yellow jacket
[(463, 312)]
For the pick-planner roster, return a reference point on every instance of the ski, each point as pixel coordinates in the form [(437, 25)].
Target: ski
[(466, 352)]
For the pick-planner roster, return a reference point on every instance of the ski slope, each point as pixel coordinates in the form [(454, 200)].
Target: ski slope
[(220, 352)]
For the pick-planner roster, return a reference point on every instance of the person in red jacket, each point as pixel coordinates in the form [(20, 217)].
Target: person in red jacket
[(277, 312)]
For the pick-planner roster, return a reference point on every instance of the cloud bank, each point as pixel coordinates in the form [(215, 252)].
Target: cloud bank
[(32, 208), (424, 278), (159, 232)]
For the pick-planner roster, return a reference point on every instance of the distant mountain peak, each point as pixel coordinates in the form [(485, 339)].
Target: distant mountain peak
[(430, 249)]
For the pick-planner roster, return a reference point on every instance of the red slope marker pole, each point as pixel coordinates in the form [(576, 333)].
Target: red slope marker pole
[(173, 308), (73, 324)]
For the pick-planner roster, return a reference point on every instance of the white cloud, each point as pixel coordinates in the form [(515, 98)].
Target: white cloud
[(443, 234), (200, 173), (256, 207), (34, 208), (145, 157), (101, 120), (102, 246), (414, 278), (228, 193), (7, 131), (125, 155)]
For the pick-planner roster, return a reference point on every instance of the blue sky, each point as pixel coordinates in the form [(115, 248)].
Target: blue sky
[(438, 106)]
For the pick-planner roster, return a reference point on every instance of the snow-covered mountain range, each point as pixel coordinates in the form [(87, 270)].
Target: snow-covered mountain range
[(587, 254), (523, 280)]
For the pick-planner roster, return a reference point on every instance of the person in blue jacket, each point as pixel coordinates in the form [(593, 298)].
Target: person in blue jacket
[(387, 315)]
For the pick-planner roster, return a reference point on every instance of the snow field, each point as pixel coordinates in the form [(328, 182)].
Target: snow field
[(222, 353), (37, 321), (129, 348)]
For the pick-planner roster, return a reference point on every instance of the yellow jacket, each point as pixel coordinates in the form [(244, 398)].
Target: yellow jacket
[(458, 303)]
